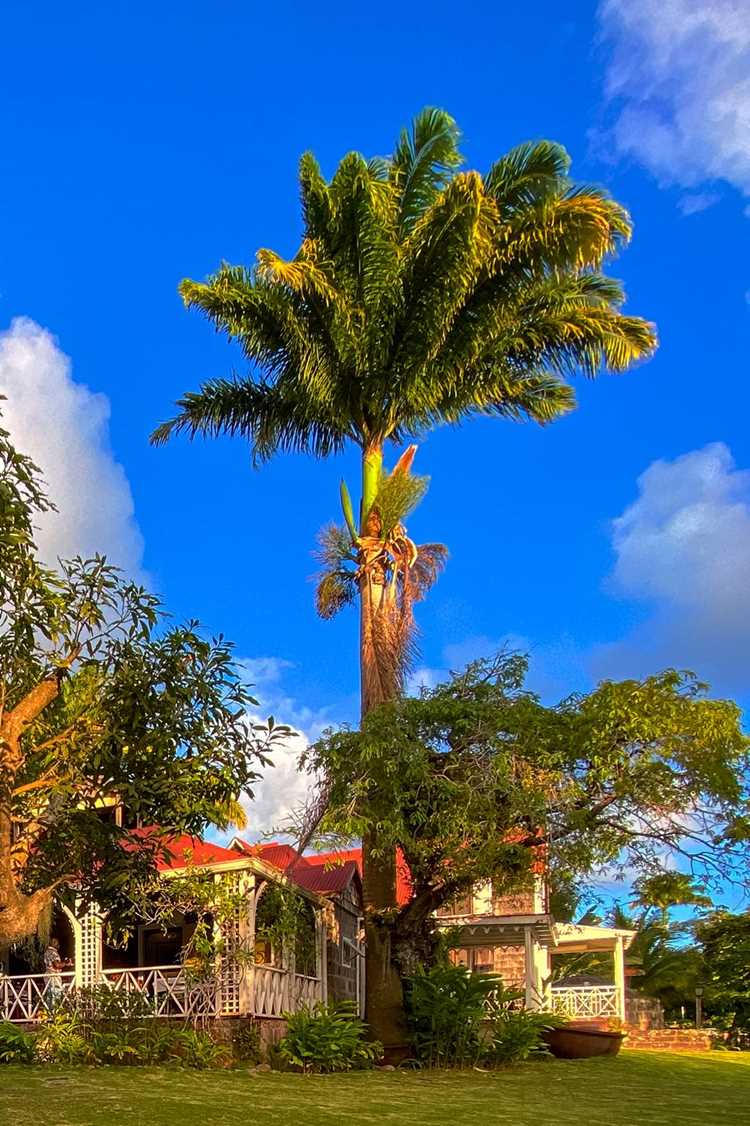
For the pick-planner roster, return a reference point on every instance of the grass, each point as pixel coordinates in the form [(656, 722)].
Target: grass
[(635, 1089)]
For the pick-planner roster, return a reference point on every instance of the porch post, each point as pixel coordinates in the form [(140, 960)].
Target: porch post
[(247, 945), (530, 969), (619, 960), (322, 955)]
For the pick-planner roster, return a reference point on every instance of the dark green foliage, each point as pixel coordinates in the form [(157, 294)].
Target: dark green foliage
[(16, 1046), (328, 1038), (460, 1019), (476, 779), (724, 941), (246, 1043), (515, 1035), (194, 1048), (447, 1009), (102, 700)]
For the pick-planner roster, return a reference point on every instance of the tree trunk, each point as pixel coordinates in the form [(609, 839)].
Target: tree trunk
[(384, 998), (19, 913)]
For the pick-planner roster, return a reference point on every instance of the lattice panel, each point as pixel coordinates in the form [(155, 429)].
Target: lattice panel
[(230, 969), (89, 960)]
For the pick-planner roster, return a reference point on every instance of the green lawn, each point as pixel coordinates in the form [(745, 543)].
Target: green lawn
[(636, 1089)]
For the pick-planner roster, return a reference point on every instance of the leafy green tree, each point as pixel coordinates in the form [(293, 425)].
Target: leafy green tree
[(100, 706), (663, 890), (477, 779), (421, 294), (724, 939)]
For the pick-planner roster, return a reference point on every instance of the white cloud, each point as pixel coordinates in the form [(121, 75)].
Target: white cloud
[(694, 202), (63, 426), (679, 74), (683, 547), (283, 787)]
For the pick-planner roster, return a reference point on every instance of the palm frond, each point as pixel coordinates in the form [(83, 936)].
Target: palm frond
[(397, 496), (425, 157), (334, 591), (527, 174)]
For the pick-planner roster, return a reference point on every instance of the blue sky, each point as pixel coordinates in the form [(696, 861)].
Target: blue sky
[(144, 143)]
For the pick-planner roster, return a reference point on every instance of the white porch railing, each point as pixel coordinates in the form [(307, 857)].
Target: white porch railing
[(586, 1002), (172, 992), (277, 991), (25, 999)]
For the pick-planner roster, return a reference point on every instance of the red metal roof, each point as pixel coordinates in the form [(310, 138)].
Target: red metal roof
[(316, 877), (183, 850)]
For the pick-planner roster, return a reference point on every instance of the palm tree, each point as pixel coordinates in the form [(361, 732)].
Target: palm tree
[(420, 295)]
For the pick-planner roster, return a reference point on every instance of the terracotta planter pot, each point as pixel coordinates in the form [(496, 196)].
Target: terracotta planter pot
[(575, 1043)]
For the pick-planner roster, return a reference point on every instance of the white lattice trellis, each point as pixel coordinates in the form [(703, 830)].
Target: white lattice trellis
[(89, 948), (232, 935)]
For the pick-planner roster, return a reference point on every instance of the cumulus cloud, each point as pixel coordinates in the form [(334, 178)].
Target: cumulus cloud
[(282, 787), (679, 76), (63, 426), (683, 548)]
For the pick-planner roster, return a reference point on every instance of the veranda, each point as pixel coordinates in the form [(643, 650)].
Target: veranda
[(250, 976)]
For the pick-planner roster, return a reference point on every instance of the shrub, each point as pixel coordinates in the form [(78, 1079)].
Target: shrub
[(447, 1009), (197, 1049), (15, 1046), (517, 1034), (121, 1045), (328, 1038), (108, 1006), (64, 1038), (246, 1044)]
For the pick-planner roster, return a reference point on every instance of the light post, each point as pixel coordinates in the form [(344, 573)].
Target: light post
[(699, 1006)]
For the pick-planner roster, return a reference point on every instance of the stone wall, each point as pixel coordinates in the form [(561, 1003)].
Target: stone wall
[(669, 1039), (510, 963), (343, 934), (521, 903), (643, 1012)]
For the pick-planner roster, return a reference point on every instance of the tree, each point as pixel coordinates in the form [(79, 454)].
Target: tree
[(663, 890), (420, 295), (476, 779), (100, 706), (724, 939)]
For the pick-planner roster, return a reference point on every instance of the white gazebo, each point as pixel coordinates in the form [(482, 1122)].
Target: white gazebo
[(591, 1002)]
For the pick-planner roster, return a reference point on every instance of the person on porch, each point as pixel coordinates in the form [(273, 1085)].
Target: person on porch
[(53, 967)]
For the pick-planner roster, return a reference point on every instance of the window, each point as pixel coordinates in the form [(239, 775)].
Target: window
[(482, 961), (459, 905), (478, 959)]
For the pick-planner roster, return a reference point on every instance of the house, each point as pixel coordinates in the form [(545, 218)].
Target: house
[(252, 976), (514, 936)]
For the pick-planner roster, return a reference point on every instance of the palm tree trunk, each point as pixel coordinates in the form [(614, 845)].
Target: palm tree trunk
[(384, 998)]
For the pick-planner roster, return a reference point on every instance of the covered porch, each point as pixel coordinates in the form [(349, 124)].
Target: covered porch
[(588, 998), (248, 975)]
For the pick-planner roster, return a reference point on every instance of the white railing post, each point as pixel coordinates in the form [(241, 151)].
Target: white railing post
[(619, 959)]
